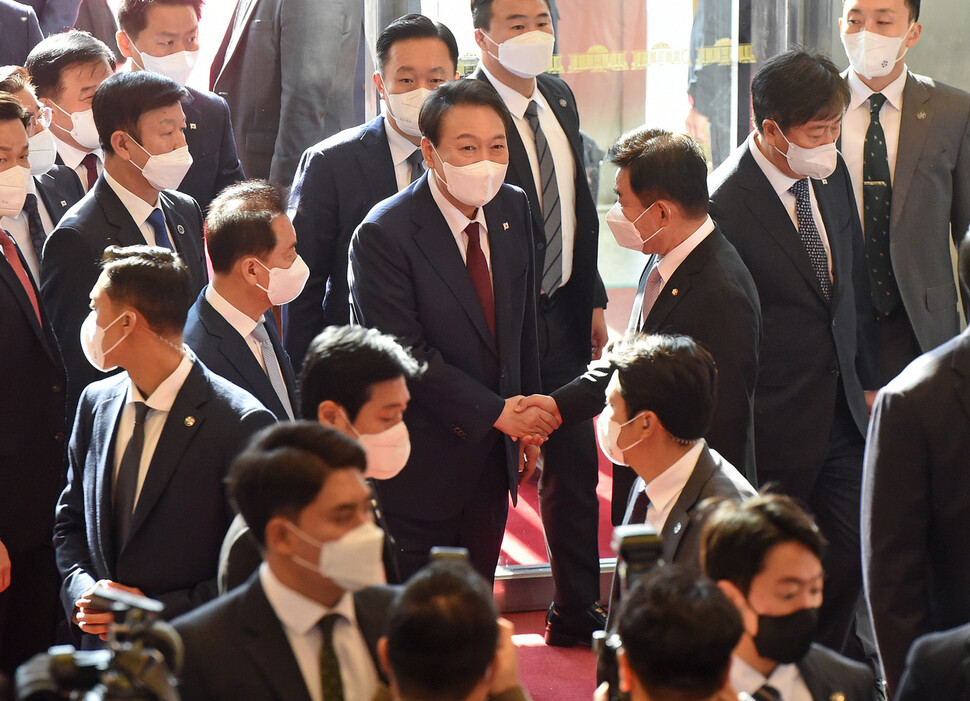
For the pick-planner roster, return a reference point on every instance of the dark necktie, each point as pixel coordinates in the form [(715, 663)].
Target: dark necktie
[(876, 206), (35, 225), (333, 686), (272, 367), (551, 212), (13, 260), (127, 483), (766, 693), (157, 221), (416, 159), (638, 515), (650, 294), (811, 239), (478, 272), (90, 163)]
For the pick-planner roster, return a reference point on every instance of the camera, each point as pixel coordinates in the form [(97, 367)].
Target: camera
[(141, 661)]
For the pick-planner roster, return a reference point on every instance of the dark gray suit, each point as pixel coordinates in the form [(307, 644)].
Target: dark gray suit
[(937, 667), (19, 32), (208, 134)]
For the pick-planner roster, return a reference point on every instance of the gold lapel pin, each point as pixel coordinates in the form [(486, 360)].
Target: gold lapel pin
[(505, 226), (837, 696), (190, 421), (675, 292), (921, 115)]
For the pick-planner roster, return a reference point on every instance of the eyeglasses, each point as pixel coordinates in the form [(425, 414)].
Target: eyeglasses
[(43, 118)]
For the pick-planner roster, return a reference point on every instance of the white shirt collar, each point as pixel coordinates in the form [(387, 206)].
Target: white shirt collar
[(513, 99), (664, 489), (241, 322), (400, 147), (785, 677), (861, 91), (72, 156), (296, 612), (670, 262), (457, 221), (780, 182), (136, 206), (164, 395)]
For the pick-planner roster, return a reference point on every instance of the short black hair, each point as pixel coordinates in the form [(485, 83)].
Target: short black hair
[(442, 632), (678, 631), (482, 13), (738, 536), (11, 109), (797, 87), (912, 5), (240, 222), (343, 363), (283, 469), (124, 97), (414, 26), (60, 51), (153, 280), (663, 165), (133, 14), (453, 94), (673, 377)]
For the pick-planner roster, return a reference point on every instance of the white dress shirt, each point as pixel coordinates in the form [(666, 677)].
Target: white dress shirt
[(159, 405), (785, 678), (299, 616), (562, 158), (241, 322), (138, 209), (19, 229), (781, 183), (855, 124), (458, 221), (664, 490), (72, 158), (401, 149)]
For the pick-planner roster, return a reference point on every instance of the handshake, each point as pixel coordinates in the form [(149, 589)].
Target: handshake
[(529, 419)]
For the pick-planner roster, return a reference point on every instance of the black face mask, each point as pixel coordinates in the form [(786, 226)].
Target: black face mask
[(786, 639)]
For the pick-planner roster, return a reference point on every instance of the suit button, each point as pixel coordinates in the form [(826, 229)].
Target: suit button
[(540, 245), (833, 370), (501, 374), (55, 389), (59, 437)]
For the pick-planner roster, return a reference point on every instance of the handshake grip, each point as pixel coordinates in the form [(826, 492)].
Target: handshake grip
[(529, 419)]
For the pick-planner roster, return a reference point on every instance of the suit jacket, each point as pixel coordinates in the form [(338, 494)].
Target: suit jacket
[(208, 133), (337, 183), (59, 189), (937, 667), (96, 17), (407, 278), (287, 69), (809, 348), (55, 16), (182, 513), (916, 557), (226, 353), (32, 398), (584, 290), (19, 32), (236, 648), (832, 677), (71, 264)]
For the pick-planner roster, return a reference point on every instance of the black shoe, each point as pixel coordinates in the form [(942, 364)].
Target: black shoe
[(569, 629)]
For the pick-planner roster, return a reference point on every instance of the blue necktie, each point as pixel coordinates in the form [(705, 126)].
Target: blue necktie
[(157, 221), (35, 225)]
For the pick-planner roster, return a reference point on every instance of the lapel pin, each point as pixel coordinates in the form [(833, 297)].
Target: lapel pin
[(677, 528), (191, 125), (837, 696), (921, 115), (180, 228), (563, 103), (675, 292), (190, 421), (505, 226), (63, 203)]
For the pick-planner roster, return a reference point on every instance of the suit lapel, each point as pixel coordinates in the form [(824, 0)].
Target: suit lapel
[(679, 517), (913, 131), (375, 161), (500, 246), (106, 425), (123, 230), (560, 108), (9, 277), (636, 313), (240, 18)]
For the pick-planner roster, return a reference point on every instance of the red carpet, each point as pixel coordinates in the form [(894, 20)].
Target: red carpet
[(551, 673)]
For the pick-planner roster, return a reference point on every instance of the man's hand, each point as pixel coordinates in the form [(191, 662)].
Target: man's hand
[(531, 421), (4, 567), (600, 333), (505, 671), (547, 404), (529, 457), (94, 620), (602, 692), (697, 126)]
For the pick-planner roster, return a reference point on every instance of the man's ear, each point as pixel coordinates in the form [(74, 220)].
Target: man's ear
[(625, 671), (383, 657), (328, 413), (278, 537)]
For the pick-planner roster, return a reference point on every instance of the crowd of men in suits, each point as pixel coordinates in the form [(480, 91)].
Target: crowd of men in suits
[(451, 245)]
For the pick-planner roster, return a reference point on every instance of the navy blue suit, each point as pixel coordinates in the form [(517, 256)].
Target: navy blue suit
[(182, 513), (19, 32), (208, 133), (937, 667), (407, 278), (55, 16), (227, 354), (71, 264), (337, 183)]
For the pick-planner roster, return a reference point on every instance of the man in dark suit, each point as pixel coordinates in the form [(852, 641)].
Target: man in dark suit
[(910, 165), (340, 179), (287, 69), (784, 199), (446, 267), (766, 555), (937, 667), (163, 36), (546, 161), (66, 70), (32, 440), (145, 507), (19, 32), (916, 560), (230, 327), (306, 625), (55, 15), (139, 121)]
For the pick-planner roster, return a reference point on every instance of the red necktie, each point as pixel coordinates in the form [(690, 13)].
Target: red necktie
[(90, 162), (478, 272), (13, 259)]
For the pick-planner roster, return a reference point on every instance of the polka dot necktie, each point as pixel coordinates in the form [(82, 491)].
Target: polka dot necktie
[(811, 239), (332, 684), (876, 209)]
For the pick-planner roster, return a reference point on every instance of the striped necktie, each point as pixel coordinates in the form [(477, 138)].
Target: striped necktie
[(551, 212)]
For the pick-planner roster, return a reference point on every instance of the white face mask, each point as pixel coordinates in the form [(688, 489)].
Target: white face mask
[(873, 55), (165, 171), (43, 152), (13, 190), (83, 129), (405, 108), (526, 55), (387, 452), (625, 231), (608, 433), (352, 562), (285, 284), (475, 184), (818, 162), (176, 66), (92, 341)]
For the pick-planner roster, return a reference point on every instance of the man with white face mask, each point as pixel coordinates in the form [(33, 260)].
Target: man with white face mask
[(784, 200), (163, 36), (66, 70), (306, 625), (906, 142), (341, 178), (140, 121), (52, 189)]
